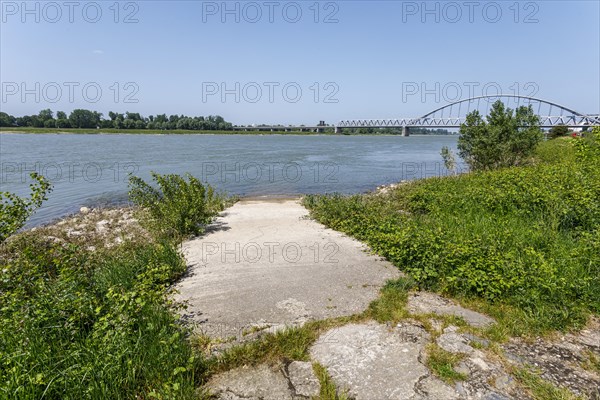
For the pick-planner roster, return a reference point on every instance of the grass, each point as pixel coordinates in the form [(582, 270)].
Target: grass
[(328, 389), (522, 243), (74, 325), (291, 344), (442, 363), (592, 363), (540, 389), (391, 305)]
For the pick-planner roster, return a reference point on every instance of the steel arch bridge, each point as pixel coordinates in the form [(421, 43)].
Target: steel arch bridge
[(452, 115)]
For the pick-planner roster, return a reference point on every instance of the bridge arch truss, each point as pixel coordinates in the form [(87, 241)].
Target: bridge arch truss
[(452, 115)]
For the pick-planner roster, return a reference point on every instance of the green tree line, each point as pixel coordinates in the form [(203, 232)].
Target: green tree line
[(81, 118)]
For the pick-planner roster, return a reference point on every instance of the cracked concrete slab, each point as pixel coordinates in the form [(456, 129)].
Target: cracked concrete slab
[(427, 303), (264, 263), (373, 361), (303, 379), (261, 382)]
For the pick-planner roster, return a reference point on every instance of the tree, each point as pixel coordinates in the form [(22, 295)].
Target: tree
[(506, 139), (61, 115), (83, 119), (62, 123), (558, 131), (46, 115), (7, 119)]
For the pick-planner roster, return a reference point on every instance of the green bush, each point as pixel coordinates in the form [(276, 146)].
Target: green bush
[(15, 210), (74, 326), (588, 148), (504, 139), (556, 151), (527, 237), (558, 131), (177, 207)]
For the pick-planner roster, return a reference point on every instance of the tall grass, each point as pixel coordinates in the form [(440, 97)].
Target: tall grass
[(99, 324), (74, 326)]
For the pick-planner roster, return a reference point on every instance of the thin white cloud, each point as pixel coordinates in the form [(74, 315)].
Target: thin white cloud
[(98, 52)]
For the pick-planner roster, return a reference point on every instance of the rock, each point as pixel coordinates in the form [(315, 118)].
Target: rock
[(557, 362), (430, 303), (101, 226), (262, 382), (463, 368), (504, 382), (84, 210), (303, 379), (72, 233), (372, 361), (495, 396), (480, 363), (477, 339), (54, 239), (435, 389), (454, 343)]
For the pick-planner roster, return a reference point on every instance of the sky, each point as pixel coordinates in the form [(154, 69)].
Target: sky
[(286, 62)]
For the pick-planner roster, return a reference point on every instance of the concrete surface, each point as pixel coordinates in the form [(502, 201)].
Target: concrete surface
[(264, 265)]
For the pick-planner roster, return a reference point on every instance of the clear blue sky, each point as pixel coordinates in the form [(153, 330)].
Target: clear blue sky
[(372, 57)]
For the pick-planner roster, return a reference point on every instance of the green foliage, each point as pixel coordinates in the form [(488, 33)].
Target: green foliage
[(556, 151), (177, 207), (558, 131), (15, 210), (587, 148), (74, 326), (526, 237), (504, 139), (87, 119)]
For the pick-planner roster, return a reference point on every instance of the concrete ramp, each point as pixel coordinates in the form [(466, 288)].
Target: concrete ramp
[(265, 265)]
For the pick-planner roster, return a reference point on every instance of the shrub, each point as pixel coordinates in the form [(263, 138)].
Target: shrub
[(74, 326), (177, 207), (558, 131), (526, 237), (587, 147), (504, 139), (15, 210)]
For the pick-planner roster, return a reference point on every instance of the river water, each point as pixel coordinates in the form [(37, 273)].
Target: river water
[(90, 170)]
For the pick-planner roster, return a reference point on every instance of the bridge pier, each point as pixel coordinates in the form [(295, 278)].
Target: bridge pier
[(337, 129), (405, 131)]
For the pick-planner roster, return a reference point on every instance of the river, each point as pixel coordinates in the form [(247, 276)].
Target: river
[(91, 170)]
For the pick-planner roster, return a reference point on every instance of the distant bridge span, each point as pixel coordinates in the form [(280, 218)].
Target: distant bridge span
[(457, 112)]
